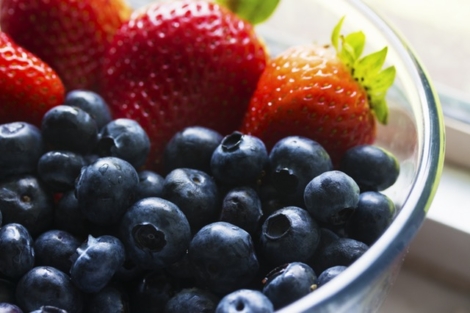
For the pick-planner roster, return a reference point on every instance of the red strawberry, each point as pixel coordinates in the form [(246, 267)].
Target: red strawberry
[(332, 97), (179, 64), (69, 35), (28, 86)]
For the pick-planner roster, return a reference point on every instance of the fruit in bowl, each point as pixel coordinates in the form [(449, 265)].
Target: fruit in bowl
[(205, 173)]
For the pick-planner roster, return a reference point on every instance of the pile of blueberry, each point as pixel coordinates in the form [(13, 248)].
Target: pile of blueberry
[(228, 227)]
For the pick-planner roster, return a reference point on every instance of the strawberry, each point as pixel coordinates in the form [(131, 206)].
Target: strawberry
[(28, 86), (69, 35), (333, 96), (180, 64)]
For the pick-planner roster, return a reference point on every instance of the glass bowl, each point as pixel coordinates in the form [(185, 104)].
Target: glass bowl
[(415, 134)]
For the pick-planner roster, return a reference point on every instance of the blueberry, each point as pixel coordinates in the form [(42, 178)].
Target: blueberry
[(45, 285), (60, 169), (155, 232), (9, 308), (150, 185), (343, 251), (195, 193), (241, 207), (374, 213), (1, 219), (126, 139), (26, 201), (372, 167), (288, 283), (69, 128), (289, 235), (92, 103), (223, 257), (21, 146), (330, 273), (294, 161), (16, 250), (191, 148), (105, 189), (182, 269), (108, 300), (152, 293), (49, 309), (239, 159), (331, 197), (327, 236), (192, 300), (7, 291), (69, 217), (129, 271), (245, 301), (95, 262), (54, 248)]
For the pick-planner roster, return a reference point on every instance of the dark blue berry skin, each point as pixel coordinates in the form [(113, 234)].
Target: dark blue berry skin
[(343, 251), (374, 213), (196, 195), (16, 250), (192, 300), (191, 148), (26, 201), (60, 169), (108, 300), (245, 301), (327, 236), (329, 274), (54, 248), (69, 217), (7, 291), (95, 262), (126, 139), (150, 185), (105, 189), (331, 197), (182, 269), (21, 146), (45, 285), (241, 207), (289, 235), (92, 103), (155, 232), (69, 128), (9, 308), (223, 257), (239, 159), (288, 283), (294, 161), (1, 219), (49, 309), (152, 293), (372, 167)]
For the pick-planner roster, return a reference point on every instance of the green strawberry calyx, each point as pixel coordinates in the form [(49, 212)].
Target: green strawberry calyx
[(253, 11), (366, 70)]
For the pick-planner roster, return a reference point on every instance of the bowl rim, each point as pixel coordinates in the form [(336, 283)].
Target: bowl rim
[(392, 245)]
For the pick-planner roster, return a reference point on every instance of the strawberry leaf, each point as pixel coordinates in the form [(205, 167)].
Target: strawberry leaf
[(366, 70), (336, 34), (355, 41), (377, 92), (254, 11), (370, 65)]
